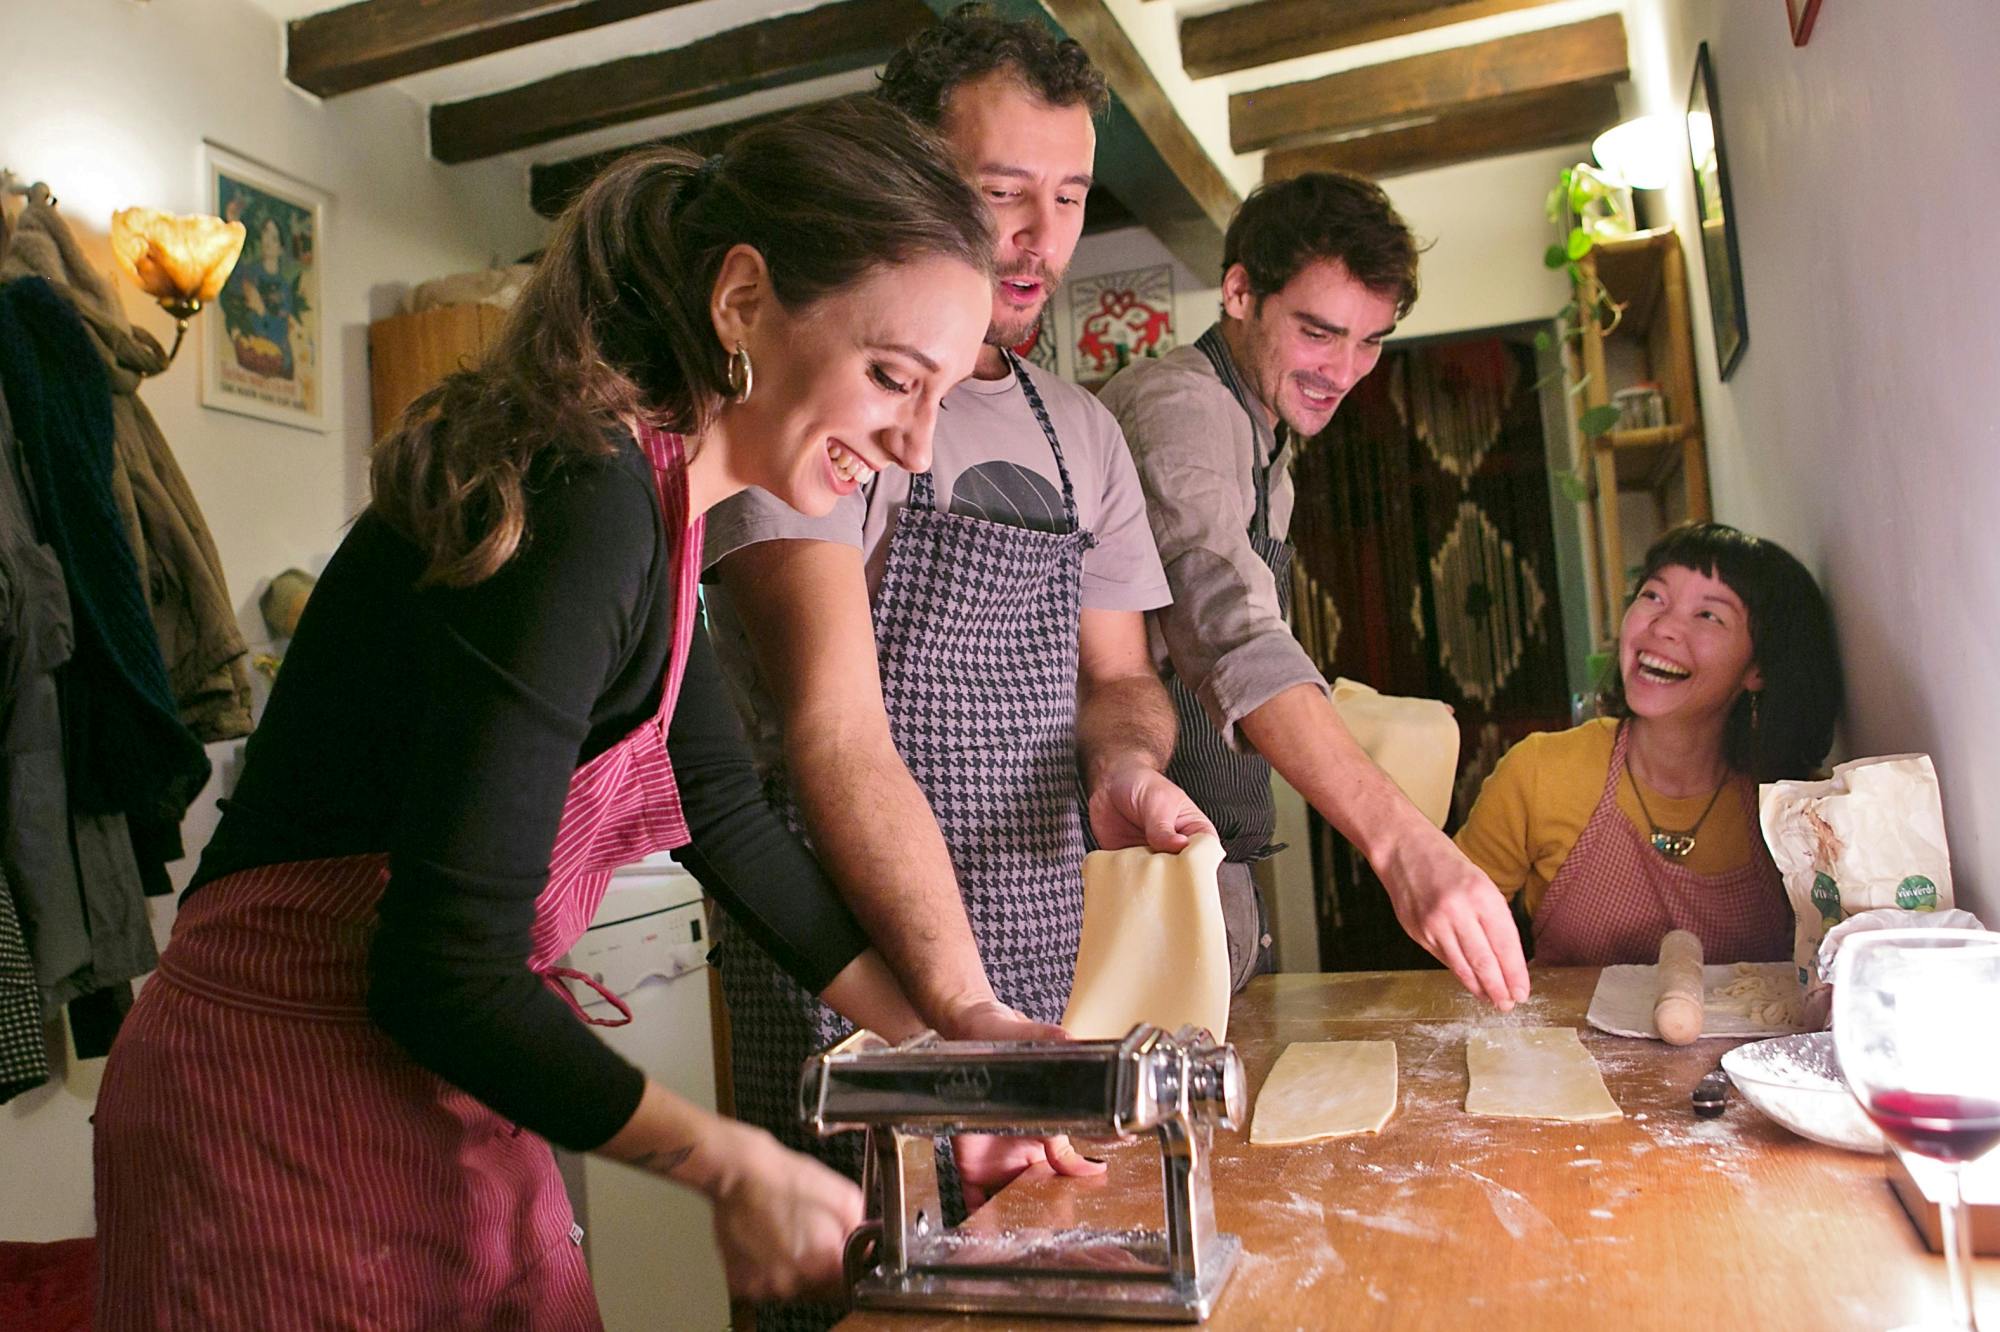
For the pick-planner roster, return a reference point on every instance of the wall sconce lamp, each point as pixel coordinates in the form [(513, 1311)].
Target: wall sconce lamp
[(1642, 153), (181, 262)]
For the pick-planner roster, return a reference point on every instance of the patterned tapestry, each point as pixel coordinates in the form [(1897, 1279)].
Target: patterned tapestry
[(1426, 566)]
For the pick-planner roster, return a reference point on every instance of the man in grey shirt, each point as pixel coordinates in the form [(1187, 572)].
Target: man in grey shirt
[(934, 669), (1316, 272)]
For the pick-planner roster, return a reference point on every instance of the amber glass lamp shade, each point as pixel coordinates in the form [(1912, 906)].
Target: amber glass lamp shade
[(181, 262)]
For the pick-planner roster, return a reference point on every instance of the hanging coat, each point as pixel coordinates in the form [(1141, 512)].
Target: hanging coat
[(73, 880), (179, 569)]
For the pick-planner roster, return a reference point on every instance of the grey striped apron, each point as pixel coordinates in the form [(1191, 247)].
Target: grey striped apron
[(1233, 787), (976, 632)]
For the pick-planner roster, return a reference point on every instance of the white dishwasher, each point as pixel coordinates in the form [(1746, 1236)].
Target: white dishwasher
[(652, 1254)]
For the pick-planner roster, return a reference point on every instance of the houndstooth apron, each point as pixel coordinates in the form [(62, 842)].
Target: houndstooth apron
[(976, 632), (1233, 787)]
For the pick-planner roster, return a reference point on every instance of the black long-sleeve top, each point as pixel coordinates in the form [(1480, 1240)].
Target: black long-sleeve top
[(442, 726)]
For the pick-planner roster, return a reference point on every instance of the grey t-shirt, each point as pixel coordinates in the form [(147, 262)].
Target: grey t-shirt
[(990, 460)]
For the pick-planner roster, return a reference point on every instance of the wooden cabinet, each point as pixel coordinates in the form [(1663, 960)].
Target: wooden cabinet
[(1640, 480), (408, 354)]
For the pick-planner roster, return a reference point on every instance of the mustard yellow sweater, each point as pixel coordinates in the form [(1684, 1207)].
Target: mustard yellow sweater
[(1537, 800)]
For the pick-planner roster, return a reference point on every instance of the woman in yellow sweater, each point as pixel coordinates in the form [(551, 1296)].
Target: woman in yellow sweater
[(1645, 821)]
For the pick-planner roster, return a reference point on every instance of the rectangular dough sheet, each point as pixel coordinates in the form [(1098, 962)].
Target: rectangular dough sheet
[(1535, 1073), (1326, 1089), (1153, 947)]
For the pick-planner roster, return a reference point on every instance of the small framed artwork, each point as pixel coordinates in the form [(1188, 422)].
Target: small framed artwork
[(1712, 202), (1116, 318), (1800, 14), (265, 355)]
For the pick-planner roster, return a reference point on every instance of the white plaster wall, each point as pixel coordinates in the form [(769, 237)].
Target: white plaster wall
[(1858, 429), (109, 100), (1487, 229)]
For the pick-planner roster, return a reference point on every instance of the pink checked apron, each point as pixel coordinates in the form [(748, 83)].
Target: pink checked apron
[(1615, 897), (267, 1158)]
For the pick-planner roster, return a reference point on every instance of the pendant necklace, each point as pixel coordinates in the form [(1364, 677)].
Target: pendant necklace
[(1675, 844)]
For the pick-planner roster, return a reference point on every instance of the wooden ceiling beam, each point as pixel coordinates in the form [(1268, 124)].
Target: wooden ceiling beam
[(1272, 30), (1146, 154), (1438, 84), (553, 185), (831, 39), (1504, 125), (1094, 28), (373, 41)]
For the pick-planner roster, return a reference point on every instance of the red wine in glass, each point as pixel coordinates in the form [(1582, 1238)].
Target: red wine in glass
[(1944, 1128)]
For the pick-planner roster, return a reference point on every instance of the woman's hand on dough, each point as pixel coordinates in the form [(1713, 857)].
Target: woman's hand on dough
[(781, 1219), (1446, 904), (1135, 805)]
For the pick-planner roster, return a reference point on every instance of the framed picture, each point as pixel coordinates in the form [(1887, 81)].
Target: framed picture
[(264, 350), (1800, 14), (1115, 318), (1712, 203)]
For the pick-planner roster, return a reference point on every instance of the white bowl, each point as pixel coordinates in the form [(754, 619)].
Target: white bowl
[(1796, 1081)]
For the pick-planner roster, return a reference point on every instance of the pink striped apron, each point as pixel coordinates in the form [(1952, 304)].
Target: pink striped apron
[(1615, 897), (268, 1158)]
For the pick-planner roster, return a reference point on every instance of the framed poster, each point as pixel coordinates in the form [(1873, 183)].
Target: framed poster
[(1116, 318), (265, 355), (1718, 234)]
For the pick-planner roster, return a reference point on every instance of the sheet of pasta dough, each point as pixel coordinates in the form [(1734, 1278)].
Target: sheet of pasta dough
[(1153, 946), (1326, 1089), (1535, 1073), (1414, 740)]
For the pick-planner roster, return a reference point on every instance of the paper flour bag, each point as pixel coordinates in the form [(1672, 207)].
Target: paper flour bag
[(1870, 836)]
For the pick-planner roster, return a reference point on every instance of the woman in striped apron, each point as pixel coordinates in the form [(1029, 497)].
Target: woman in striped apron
[(332, 1105)]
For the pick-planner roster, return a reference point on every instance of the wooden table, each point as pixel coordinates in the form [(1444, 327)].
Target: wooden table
[(1660, 1220)]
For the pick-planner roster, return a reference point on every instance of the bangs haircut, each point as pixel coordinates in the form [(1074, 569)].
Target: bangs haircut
[(1791, 641)]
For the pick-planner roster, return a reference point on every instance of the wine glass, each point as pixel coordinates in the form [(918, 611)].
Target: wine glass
[(1913, 1026)]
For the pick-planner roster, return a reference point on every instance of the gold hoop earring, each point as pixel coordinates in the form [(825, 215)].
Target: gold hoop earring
[(741, 376)]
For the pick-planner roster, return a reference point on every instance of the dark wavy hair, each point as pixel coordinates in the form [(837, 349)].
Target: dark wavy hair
[(974, 42), (1285, 226), (1791, 640), (614, 323)]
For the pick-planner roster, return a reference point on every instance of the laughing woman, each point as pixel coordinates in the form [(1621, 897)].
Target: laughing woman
[(314, 1115), (1645, 821)]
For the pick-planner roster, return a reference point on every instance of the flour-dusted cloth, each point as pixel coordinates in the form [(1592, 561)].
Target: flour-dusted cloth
[(1622, 1003)]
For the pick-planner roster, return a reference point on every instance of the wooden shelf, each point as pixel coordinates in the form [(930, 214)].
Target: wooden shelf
[(1646, 273), (1647, 438), (1633, 270)]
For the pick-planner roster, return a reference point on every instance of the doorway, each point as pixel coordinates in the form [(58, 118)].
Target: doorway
[(1428, 564)]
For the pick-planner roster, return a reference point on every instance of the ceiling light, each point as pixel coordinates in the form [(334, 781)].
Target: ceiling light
[(1642, 153)]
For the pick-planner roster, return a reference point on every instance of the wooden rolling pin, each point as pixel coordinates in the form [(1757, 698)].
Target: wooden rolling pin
[(1677, 1012)]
